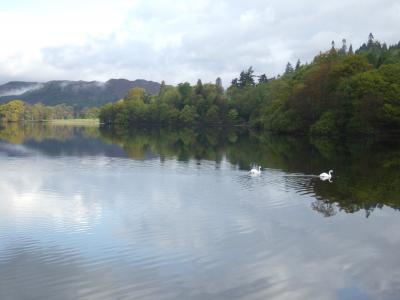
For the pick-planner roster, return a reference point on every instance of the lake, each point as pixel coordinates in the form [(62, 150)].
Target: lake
[(88, 213)]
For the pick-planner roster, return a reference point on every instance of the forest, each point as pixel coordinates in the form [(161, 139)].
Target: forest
[(341, 92)]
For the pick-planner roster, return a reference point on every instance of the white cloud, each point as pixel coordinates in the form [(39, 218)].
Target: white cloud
[(179, 40)]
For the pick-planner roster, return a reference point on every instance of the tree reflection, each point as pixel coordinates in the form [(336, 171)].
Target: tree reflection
[(17, 133), (326, 208), (184, 144), (366, 171)]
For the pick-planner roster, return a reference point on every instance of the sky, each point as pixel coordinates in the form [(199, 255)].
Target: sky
[(179, 40)]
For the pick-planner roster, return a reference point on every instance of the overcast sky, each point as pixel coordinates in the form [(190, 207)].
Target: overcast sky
[(178, 40)]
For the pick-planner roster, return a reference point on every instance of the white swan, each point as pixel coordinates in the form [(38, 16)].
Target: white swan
[(324, 176), (255, 171)]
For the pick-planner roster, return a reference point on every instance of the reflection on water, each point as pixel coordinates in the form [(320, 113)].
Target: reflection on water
[(88, 213), (366, 172)]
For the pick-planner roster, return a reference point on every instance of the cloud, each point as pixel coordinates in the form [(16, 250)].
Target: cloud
[(180, 40)]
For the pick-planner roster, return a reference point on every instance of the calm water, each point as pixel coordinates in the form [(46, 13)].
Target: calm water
[(110, 214)]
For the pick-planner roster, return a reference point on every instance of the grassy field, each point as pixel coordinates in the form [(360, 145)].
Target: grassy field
[(76, 122)]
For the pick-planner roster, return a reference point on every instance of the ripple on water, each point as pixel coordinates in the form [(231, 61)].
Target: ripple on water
[(275, 184), (91, 228)]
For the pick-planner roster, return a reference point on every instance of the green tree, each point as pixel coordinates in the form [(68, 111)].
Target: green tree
[(289, 69), (262, 79), (246, 78), (90, 113), (343, 49), (371, 40), (12, 111), (218, 84), (212, 115), (188, 115), (199, 87), (351, 50), (298, 65)]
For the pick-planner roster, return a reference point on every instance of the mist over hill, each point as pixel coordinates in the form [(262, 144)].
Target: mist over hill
[(15, 88), (75, 93)]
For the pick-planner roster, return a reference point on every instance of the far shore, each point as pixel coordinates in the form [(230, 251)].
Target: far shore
[(75, 122)]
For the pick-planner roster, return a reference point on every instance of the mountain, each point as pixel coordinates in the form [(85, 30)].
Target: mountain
[(76, 93)]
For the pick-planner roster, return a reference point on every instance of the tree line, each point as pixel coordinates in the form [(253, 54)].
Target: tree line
[(184, 104), (19, 111), (341, 92)]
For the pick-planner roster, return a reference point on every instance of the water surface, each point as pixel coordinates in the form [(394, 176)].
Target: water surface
[(157, 214)]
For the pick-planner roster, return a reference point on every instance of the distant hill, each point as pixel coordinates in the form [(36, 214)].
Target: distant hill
[(14, 88), (76, 93)]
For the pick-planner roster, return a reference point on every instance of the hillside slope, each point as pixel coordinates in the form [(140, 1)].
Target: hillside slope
[(76, 93)]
